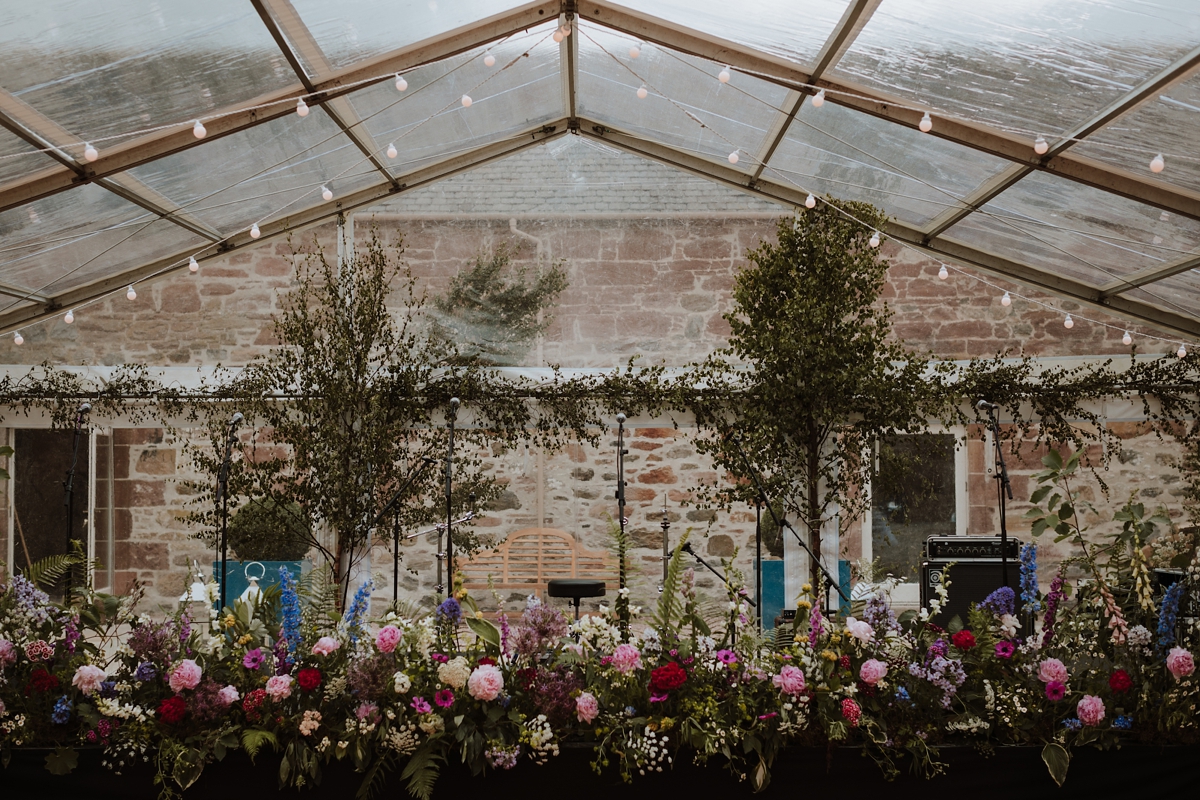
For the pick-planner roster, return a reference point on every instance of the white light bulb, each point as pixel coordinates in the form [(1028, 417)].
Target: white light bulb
[(131, 294), (326, 193), (1068, 322), (193, 265), (819, 99), (18, 339), (302, 107), (643, 93), (401, 84), (489, 60), (810, 201), (1157, 164), (1126, 339), (90, 153), (557, 36), (943, 273), (69, 317), (566, 29), (254, 231), (734, 157), (1040, 146), (723, 75), (1006, 301), (874, 242), (635, 51), (1182, 351), (466, 101), (198, 130), (926, 123)]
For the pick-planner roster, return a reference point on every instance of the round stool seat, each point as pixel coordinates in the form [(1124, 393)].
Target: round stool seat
[(575, 587)]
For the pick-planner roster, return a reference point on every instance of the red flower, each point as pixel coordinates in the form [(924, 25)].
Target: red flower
[(486, 660), (309, 679), (844, 662), (1120, 681), (667, 678), (41, 680), (172, 709), (963, 640), (253, 702), (851, 712)]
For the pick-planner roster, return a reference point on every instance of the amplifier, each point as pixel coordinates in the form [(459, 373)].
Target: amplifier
[(976, 573), (968, 548)]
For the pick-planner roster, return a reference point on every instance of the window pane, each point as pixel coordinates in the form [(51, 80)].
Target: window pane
[(912, 498), (40, 463)]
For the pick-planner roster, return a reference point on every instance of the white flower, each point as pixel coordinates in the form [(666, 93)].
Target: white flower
[(454, 673), (401, 683), (1009, 625)]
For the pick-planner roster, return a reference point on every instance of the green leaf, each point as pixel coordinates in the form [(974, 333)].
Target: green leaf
[(760, 777), (254, 738), (1040, 494), (1053, 460), (188, 766), (485, 630), (1057, 760), (62, 761)]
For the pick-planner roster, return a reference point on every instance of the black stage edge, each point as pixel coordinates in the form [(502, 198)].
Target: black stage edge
[(1132, 771)]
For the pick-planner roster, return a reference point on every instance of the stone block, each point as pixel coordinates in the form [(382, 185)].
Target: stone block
[(658, 476), (156, 462), (136, 494)]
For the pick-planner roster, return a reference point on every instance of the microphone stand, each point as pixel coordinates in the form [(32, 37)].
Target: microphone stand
[(1003, 489), (621, 451), (826, 578), (758, 558), (394, 502), (69, 489), (687, 548), (451, 417), (223, 503)]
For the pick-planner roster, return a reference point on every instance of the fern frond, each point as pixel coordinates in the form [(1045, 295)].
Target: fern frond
[(670, 605), (376, 776), (421, 772), (46, 572)]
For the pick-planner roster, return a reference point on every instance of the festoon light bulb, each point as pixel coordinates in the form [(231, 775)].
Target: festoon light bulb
[(326, 193), (723, 75), (1040, 145), (734, 157), (819, 99), (301, 108), (1068, 322), (926, 123), (1006, 301), (254, 231), (392, 152), (1157, 164), (90, 153), (489, 60), (401, 84), (564, 25), (1182, 351), (18, 339), (69, 317), (557, 36), (131, 293), (1126, 339), (874, 240), (193, 265), (198, 130), (466, 101), (810, 201), (636, 50), (643, 93), (943, 273)]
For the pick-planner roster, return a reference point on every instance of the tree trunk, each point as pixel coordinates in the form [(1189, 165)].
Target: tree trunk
[(813, 522)]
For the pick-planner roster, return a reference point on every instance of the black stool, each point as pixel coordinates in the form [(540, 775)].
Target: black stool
[(575, 588)]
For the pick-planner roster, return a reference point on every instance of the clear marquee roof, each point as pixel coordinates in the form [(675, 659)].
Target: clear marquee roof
[(105, 180)]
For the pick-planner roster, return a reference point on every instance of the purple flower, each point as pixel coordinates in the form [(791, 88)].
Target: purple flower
[(1055, 690), (444, 698), (727, 656), (145, 672), (658, 698), (1005, 649), (449, 611), (253, 658), (1000, 602), (421, 705)]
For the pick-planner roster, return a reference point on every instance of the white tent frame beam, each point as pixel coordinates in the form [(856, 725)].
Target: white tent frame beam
[(1149, 275)]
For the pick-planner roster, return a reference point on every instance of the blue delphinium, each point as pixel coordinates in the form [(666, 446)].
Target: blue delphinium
[(62, 711), (1072, 724), (290, 601), (358, 610), (1166, 616), (1123, 722), (902, 695), (1029, 581), (1000, 602)]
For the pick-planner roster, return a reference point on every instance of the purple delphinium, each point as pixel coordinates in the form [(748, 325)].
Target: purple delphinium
[(145, 672), (879, 615), (1053, 598), (1029, 581), (449, 611), (946, 674), (1000, 602), (33, 602)]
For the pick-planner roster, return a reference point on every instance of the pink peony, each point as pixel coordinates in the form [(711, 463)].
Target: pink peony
[(185, 675), (88, 678), (228, 695), (626, 658), (859, 630), (387, 638), (1052, 670), (485, 683), (586, 707), (790, 680), (1179, 661), (325, 645), (279, 687), (8, 653), (872, 671), (1090, 710)]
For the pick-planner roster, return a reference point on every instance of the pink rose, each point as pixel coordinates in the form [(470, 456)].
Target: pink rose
[(228, 695), (586, 707), (790, 680), (485, 683), (8, 653), (1179, 661), (387, 638), (859, 630), (88, 678), (325, 645), (626, 658), (872, 671), (1090, 710), (279, 687), (185, 675), (1052, 670)]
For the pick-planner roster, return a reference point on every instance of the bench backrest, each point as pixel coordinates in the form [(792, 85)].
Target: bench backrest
[(529, 558)]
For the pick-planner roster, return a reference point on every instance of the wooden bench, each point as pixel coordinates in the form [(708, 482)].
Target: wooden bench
[(529, 558)]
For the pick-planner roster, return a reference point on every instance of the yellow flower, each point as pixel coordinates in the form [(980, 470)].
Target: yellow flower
[(244, 638), (230, 620), (806, 587), (829, 655), (803, 604)]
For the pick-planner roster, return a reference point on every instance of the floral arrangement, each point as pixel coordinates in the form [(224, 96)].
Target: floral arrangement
[(406, 692)]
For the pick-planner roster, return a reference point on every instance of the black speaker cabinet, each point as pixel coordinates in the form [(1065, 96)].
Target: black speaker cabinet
[(976, 573)]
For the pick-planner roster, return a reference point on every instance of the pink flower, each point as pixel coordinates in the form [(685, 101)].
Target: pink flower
[(790, 680), (1004, 649), (1179, 661), (88, 678), (421, 705), (485, 683), (859, 630), (1052, 670), (185, 675), (1090, 710), (8, 653), (444, 698), (626, 658), (872, 671), (228, 695), (325, 645), (586, 707), (1056, 690), (368, 712), (387, 638), (279, 687)]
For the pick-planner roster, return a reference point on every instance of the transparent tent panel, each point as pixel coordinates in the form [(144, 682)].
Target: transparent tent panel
[(1166, 125), (262, 173), (1179, 294), (1036, 67), (686, 106), (794, 30), (104, 70), (351, 30), (427, 122), (909, 175), (18, 157), (1086, 233)]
